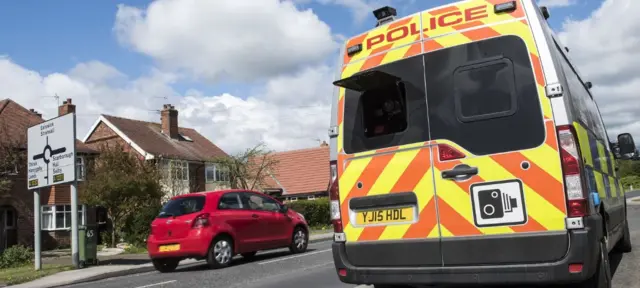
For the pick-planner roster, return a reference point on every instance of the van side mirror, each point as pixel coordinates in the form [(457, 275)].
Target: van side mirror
[(627, 146), (545, 12), (588, 84)]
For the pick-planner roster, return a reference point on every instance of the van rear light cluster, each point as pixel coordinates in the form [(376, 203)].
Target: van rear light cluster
[(201, 221), (334, 197), (577, 204)]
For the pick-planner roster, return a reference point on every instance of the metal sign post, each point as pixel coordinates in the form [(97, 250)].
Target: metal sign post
[(51, 160)]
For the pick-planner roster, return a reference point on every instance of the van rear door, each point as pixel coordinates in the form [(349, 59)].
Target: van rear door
[(498, 175)]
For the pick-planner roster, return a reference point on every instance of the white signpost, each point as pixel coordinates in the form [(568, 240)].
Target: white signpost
[(51, 160)]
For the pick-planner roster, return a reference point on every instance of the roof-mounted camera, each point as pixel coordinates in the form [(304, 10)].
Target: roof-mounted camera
[(385, 14)]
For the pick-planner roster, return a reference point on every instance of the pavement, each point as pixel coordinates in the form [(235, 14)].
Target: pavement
[(112, 265)]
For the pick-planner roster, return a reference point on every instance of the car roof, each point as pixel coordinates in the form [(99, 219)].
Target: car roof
[(213, 192)]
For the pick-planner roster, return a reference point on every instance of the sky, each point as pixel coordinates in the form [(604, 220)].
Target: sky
[(243, 72)]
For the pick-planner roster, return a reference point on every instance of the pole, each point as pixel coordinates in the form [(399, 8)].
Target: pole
[(36, 228), (74, 225)]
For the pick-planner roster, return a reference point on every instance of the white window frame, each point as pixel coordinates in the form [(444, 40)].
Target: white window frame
[(293, 199), (81, 171), (311, 198), (53, 212), (219, 174), (170, 174)]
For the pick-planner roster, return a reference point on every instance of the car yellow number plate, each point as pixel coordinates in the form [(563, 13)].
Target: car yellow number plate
[(385, 216), (169, 248)]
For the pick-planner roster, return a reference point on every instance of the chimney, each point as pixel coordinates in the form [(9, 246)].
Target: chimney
[(66, 107), (324, 144), (169, 119), (35, 112)]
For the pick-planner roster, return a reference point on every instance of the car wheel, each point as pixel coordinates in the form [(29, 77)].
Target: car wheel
[(248, 255), (165, 265), (299, 241), (220, 253), (602, 277)]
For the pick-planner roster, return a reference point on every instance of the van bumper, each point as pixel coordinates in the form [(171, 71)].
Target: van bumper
[(582, 249)]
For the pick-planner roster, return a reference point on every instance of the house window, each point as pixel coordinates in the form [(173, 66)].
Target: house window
[(10, 219), (9, 169), (58, 217), (213, 173), (176, 169), (311, 198), (80, 169)]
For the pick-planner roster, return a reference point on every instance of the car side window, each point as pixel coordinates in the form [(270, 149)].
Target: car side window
[(230, 201), (258, 202)]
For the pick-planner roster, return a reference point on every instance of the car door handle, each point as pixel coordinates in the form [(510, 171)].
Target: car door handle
[(255, 216), (460, 172)]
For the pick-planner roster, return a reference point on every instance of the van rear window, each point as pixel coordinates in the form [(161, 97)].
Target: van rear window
[(182, 206)]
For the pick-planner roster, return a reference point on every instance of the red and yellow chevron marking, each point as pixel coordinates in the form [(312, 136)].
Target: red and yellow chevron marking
[(410, 168)]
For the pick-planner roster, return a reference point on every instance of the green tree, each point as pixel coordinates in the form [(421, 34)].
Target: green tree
[(123, 185), (629, 168), (249, 169), (13, 159)]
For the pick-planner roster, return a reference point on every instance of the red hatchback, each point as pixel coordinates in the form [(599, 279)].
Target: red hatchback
[(219, 225)]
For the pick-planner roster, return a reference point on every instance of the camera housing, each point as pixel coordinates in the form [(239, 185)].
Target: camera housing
[(385, 14)]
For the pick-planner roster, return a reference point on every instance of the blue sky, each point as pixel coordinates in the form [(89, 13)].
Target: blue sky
[(54, 36)]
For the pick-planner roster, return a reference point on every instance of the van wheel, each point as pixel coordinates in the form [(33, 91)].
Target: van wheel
[(220, 253), (248, 255), (299, 240), (624, 245), (165, 265), (602, 277)]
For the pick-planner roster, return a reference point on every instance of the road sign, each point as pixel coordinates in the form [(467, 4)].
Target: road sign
[(52, 152)]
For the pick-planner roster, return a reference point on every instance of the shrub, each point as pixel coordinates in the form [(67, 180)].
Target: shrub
[(137, 226), (315, 211), (16, 256)]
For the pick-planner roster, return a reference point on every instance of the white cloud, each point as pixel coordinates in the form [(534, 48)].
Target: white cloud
[(606, 48), (557, 3), (226, 40), (230, 121)]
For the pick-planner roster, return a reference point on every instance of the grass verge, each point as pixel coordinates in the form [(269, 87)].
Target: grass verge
[(135, 250), (12, 276), (320, 230)]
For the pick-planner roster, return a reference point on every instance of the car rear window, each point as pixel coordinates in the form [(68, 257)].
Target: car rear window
[(182, 206), (483, 96)]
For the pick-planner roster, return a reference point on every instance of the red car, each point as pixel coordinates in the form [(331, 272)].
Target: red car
[(218, 225)]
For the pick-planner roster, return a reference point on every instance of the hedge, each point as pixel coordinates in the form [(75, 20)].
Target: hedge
[(317, 212)]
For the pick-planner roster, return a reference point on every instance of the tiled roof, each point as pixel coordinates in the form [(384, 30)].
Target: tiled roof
[(15, 120), (149, 137), (301, 171)]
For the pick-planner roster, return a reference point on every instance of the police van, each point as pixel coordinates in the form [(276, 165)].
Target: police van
[(467, 149)]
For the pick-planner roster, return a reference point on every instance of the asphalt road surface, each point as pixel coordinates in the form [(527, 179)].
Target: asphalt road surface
[(314, 269)]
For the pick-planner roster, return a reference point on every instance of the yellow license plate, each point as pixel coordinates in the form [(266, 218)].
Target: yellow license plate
[(385, 216), (169, 248)]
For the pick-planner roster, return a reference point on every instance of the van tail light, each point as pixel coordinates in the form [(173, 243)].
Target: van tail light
[(446, 152), (201, 221), (575, 187), (334, 197)]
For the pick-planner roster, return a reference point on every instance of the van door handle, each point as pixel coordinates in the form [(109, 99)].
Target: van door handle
[(255, 215), (460, 172)]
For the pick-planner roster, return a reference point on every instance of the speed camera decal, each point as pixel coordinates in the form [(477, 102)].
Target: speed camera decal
[(498, 203)]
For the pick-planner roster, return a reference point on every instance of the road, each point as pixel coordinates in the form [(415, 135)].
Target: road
[(314, 269)]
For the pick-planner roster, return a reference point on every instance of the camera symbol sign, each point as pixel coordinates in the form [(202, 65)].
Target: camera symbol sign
[(498, 203)]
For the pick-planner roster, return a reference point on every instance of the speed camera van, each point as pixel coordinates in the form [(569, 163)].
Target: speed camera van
[(467, 149)]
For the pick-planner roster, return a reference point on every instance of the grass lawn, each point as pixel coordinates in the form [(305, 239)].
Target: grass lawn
[(12, 276)]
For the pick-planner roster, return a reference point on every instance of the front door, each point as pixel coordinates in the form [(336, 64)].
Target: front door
[(497, 166)]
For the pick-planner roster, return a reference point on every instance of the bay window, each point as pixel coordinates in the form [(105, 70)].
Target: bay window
[(58, 217), (213, 173), (175, 169)]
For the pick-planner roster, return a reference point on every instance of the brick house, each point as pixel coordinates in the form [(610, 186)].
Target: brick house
[(183, 154), (16, 205), (300, 174)]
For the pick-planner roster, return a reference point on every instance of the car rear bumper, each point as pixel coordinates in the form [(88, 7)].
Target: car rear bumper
[(195, 245), (581, 249)]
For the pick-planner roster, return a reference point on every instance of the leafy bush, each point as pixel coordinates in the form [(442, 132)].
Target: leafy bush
[(317, 212), (16, 256), (630, 181), (137, 226)]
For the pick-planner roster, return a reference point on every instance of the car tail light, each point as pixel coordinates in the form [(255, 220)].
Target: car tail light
[(334, 197), (201, 221), (577, 203), (447, 152)]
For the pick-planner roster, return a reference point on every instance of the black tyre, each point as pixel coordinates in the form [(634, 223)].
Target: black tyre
[(165, 265), (602, 277), (220, 253), (249, 255), (299, 240)]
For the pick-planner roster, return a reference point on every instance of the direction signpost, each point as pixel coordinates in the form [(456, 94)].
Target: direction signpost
[(51, 161)]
